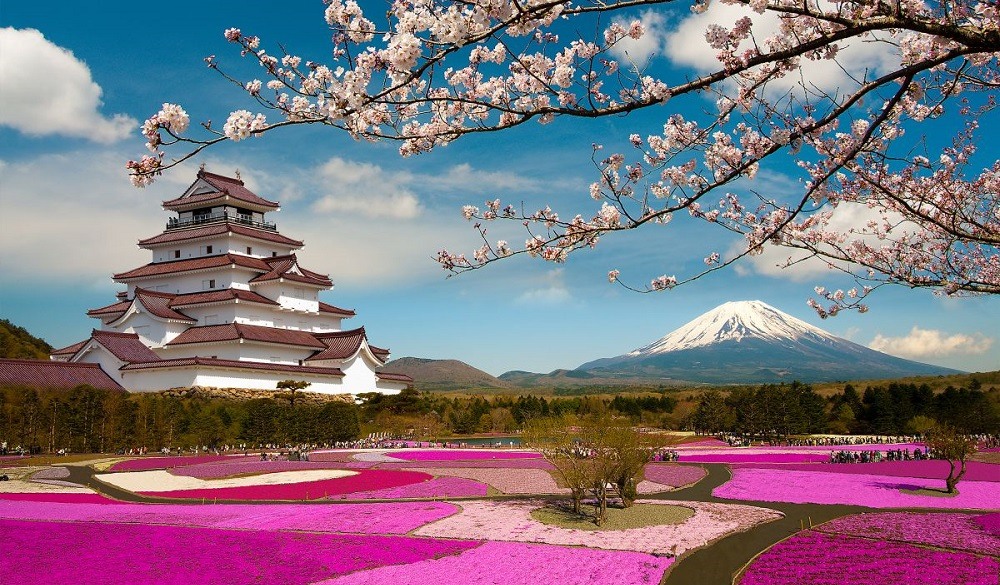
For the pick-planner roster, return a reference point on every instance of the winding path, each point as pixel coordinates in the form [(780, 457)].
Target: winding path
[(720, 561)]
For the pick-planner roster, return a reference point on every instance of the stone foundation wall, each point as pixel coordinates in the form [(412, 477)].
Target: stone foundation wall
[(243, 394)]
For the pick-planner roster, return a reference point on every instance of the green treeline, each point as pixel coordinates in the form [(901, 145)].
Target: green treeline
[(87, 420), (893, 409)]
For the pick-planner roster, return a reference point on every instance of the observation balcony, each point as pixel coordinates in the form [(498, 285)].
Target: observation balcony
[(173, 223)]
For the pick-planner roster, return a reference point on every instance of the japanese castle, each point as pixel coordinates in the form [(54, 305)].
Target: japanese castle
[(224, 303)]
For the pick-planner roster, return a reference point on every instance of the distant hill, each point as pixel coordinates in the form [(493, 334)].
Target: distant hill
[(430, 374), (17, 343)]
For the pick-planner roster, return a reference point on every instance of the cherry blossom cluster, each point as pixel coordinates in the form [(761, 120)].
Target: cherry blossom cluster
[(439, 69)]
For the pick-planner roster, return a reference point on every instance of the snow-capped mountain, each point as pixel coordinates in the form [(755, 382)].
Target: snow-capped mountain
[(735, 321), (752, 342)]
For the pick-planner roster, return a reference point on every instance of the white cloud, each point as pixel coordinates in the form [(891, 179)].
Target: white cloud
[(364, 189), (46, 90), (75, 216), (686, 45), (638, 52), (931, 343), (551, 290), (372, 191)]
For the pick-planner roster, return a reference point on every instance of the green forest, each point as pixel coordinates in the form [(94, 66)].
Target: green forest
[(88, 420)]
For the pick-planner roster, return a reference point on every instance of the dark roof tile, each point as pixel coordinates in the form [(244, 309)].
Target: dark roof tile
[(49, 374), (234, 331)]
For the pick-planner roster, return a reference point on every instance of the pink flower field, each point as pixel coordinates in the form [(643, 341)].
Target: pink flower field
[(364, 480), (156, 462), (368, 518), (952, 531), (760, 456), (65, 498), (875, 491), (439, 487), (537, 463), (508, 481), (136, 554), (929, 469), (462, 455), (673, 475), (513, 563), (816, 558), (241, 466)]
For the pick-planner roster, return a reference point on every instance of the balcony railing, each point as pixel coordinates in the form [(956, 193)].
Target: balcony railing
[(173, 223)]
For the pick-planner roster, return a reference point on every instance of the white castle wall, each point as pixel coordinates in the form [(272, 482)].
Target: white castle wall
[(166, 378)]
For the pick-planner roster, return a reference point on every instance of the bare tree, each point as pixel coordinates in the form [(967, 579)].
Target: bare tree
[(954, 447)]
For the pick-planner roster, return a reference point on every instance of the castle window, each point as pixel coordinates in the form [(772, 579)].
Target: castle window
[(208, 284), (249, 250), (177, 253)]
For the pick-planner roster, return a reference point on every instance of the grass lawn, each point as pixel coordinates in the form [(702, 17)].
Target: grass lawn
[(638, 516)]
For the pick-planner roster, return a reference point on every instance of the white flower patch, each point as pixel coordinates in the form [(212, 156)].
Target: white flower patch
[(512, 521), (160, 480)]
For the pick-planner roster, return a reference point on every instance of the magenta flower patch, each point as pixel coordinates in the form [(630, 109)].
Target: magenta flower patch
[(462, 455), (673, 475), (945, 530), (439, 487), (815, 558), (217, 470), (148, 463), (874, 491), (513, 563), (538, 463), (60, 497), (760, 457), (990, 523), (929, 469), (130, 554), (364, 480), (371, 518)]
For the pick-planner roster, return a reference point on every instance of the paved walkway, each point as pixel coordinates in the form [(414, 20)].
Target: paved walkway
[(719, 562)]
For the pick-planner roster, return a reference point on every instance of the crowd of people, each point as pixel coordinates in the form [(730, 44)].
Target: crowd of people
[(876, 456)]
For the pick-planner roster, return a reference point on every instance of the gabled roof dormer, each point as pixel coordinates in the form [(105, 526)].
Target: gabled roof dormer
[(287, 268), (346, 345)]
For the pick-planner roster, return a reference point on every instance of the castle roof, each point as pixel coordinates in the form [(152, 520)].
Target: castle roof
[(125, 346), (219, 296), (327, 308), (69, 350), (287, 267), (210, 188), (217, 229), (395, 377), (192, 265), (272, 268), (49, 374), (232, 364), (341, 345), (241, 331)]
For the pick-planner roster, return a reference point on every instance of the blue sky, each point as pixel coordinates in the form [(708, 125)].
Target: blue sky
[(71, 100)]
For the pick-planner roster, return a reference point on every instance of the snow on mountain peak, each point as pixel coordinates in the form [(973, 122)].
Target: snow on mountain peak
[(734, 321)]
